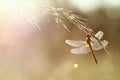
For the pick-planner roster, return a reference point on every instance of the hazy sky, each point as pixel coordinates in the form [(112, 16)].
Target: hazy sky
[(91, 5)]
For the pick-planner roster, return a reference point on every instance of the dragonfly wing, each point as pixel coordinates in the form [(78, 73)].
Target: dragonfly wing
[(75, 43), (98, 35), (98, 46), (80, 50)]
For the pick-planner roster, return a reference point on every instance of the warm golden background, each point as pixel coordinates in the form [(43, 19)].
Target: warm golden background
[(27, 53)]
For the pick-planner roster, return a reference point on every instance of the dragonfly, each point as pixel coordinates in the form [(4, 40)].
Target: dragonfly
[(91, 44)]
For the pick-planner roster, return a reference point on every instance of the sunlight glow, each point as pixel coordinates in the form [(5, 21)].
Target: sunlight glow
[(8, 5), (75, 66), (28, 9)]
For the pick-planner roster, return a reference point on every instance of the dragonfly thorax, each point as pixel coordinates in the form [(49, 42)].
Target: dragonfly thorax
[(88, 40)]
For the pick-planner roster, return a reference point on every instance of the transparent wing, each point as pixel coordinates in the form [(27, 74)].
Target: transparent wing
[(80, 50), (99, 35), (75, 43), (98, 46)]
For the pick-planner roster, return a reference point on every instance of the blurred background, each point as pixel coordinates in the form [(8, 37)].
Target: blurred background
[(31, 53)]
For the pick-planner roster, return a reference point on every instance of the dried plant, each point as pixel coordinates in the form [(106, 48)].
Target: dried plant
[(60, 14)]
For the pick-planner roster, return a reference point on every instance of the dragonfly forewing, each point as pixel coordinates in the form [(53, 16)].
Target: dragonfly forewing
[(75, 43), (98, 35)]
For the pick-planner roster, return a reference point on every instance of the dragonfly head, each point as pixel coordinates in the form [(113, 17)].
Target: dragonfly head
[(88, 36)]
